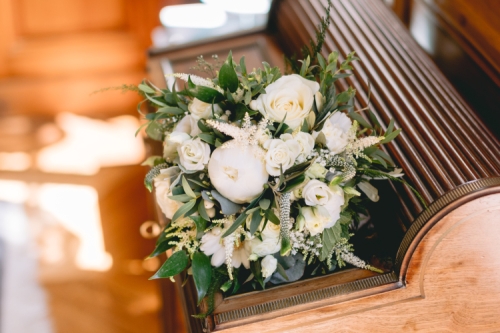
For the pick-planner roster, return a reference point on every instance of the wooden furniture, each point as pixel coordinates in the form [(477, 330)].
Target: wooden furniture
[(446, 275)]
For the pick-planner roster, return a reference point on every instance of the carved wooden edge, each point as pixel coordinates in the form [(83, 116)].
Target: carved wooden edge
[(440, 207), (390, 279), (396, 278)]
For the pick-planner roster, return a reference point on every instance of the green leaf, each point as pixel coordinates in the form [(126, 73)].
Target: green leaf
[(207, 95), (240, 111), (161, 247), (184, 209), (321, 61), (187, 188), (390, 128), (255, 223), (272, 217), (227, 206), (203, 127), (175, 264), (228, 80), (329, 238), (359, 119), (201, 224), (243, 67), (264, 203), (207, 137), (202, 210), (291, 184), (243, 216), (281, 270), (228, 284), (202, 274), (154, 131), (145, 88), (391, 136), (256, 269), (180, 197), (170, 110)]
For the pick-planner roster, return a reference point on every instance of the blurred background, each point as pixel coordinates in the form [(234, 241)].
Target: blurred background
[(72, 200)]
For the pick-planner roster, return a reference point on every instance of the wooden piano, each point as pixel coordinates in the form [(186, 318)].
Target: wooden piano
[(446, 272)]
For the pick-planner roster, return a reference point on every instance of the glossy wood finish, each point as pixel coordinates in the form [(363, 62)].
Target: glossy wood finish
[(447, 153)]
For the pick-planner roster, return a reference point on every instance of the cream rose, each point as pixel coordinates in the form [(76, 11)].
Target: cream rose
[(316, 170), (269, 265), (317, 193), (316, 218), (162, 191), (172, 142), (188, 125), (290, 95), (199, 109), (305, 141), (194, 154), (270, 242), (282, 153), (336, 130), (238, 173)]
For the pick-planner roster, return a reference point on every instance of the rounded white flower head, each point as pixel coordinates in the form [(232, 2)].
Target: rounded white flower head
[(317, 218), (162, 191), (199, 109), (188, 125), (282, 153), (305, 141), (238, 173), (318, 194), (336, 130), (212, 245), (194, 154), (290, 95), (269, 265)]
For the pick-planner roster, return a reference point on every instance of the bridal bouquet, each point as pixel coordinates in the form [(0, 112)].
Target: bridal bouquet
[(263, 175)]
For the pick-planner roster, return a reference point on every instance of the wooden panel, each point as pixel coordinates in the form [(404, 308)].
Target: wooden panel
[(38, 17), (7, 34)]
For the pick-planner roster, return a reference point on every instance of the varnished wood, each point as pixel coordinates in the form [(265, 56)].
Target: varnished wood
[(447, 153)]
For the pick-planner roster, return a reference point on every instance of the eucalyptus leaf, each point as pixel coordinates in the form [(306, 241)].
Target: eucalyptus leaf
[(227, 206), (255, 223), (184, 209), (187, 188), (240, 219), (145, 88), (175, 264)]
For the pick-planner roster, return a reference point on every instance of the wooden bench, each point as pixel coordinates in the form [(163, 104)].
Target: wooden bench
[(446, 274)]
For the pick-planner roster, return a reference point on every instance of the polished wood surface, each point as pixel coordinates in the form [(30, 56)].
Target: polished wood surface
[(448, 154)]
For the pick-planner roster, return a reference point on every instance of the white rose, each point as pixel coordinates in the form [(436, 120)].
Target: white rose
[(238, 173), (336, 130), (194, 154), (282, 153), (317, 218), (269, 265), (316, 170), (290, 95), (162, 191), (306, 143), (201, 109), (317, 193), (270, 242), (172, 142), (188, 125)]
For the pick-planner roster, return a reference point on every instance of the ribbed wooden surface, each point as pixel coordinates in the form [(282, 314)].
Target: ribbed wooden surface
[(443, 143)]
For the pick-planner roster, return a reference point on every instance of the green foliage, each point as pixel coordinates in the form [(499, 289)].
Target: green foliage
[(202, 274), (152, 174), (174, 265)]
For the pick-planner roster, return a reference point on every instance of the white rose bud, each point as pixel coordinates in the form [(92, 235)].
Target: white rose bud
[(188, 125), (282, 153), (269, 265), (162, 191), (316, 171), (317, 193), (290, 95), (317, 218), (320, 100), (305, 141), (194, 154), (238, 173), (199, 109), (172, 142)]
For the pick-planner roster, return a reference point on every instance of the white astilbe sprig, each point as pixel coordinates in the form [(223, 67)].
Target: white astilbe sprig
[(183, 231), (246, 135), (343, 252), (197, 80)]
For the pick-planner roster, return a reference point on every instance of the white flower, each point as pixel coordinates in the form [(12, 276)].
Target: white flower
[(290, 95), (320, 100), (188, 125), (282, 153), (316, 170), (194, 154), (317, 218), (172, 142), (201, 109), (238, 173), (211, 244), (270, 242), (306, 143), (336, 130), (162, 191), (317, 193), (269, 265), (370, 191)]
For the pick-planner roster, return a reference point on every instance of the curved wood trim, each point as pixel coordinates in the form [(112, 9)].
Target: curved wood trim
[(439, 208)]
